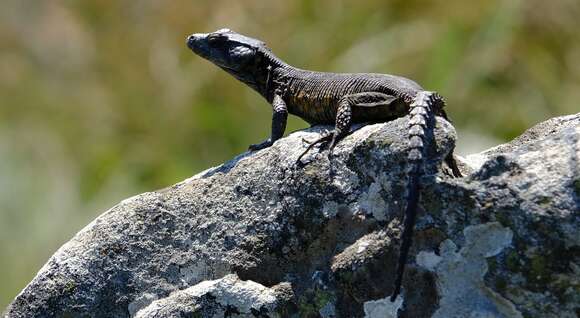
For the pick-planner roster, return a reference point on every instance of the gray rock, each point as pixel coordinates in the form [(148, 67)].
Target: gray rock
[(216, 298), (321, 240)]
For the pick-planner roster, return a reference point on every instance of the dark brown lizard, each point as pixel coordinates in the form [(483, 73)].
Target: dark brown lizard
[(327, 98)]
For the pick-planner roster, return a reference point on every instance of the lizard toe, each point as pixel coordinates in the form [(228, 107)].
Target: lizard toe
[(322, 142), (262, 145)]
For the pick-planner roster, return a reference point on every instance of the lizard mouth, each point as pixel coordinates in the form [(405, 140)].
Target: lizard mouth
[(198, 43)]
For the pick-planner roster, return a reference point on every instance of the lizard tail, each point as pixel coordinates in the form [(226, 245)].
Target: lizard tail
[(421, 110)]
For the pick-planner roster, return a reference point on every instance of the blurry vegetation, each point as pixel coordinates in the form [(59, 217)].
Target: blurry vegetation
[(100, 100)]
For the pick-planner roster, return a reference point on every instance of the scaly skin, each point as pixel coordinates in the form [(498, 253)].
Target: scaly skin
[(326, 98)]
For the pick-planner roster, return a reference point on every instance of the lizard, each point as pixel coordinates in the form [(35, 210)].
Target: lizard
[(341, 99)]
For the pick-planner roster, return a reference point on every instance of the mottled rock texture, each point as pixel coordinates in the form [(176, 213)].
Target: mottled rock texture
[(260, 237)]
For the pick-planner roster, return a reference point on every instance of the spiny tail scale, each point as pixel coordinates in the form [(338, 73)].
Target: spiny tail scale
[(421, 113)]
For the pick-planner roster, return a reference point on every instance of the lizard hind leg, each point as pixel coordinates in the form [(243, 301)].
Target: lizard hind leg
[(344, 116), (341, 128)]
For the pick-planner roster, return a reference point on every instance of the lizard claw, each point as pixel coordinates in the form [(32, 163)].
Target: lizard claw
[(265, 144), (317, 143), (323, 141)]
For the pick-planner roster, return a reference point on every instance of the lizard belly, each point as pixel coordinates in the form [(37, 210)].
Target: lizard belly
[(381, 113), (323, 110), (313, 109)]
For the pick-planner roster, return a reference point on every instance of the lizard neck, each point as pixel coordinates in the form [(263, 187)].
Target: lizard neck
[(271, 72)]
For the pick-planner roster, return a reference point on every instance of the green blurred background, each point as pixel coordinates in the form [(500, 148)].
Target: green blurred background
[(101, 100)]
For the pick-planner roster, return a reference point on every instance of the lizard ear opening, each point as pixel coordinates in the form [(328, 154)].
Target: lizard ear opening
[(242, 54)]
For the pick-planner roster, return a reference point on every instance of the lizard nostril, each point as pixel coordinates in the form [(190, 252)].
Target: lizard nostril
[(191, 40)]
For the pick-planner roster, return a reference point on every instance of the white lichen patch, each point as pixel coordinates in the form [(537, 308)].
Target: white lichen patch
[(243, 295), (226, 292), (429, 260), (460, 274), (362, 246), (372, 203), (383, 308)]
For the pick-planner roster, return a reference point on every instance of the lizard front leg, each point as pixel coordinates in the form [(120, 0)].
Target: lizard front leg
[(279, 117)]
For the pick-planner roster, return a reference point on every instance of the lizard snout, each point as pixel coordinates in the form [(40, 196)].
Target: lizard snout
[(190, 40), (195, 38), (197, 42)]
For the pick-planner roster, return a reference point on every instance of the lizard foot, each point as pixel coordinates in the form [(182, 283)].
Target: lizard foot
[(452, 163), (265, 144), (322, 141)]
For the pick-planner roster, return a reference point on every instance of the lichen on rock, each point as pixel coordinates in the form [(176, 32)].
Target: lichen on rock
[(460, 274), (214, 298)]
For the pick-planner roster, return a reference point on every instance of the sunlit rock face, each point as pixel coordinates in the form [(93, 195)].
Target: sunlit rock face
[(262, 237)]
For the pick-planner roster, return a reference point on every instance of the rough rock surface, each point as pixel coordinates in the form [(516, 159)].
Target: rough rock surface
[(322, 240), (216, 298)]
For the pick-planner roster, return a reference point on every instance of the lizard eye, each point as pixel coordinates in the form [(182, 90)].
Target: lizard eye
[(215, 39)]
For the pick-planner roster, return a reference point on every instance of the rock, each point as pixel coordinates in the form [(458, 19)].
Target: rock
[(551, 128), (221, 296), (260, 237)]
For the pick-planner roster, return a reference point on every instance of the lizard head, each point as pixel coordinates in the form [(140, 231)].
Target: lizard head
[(237, 54)]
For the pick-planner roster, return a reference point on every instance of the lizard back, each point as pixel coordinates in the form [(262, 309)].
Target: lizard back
[(314, 96)]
